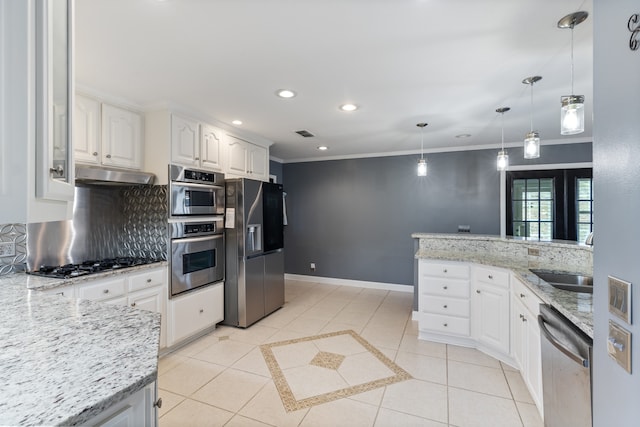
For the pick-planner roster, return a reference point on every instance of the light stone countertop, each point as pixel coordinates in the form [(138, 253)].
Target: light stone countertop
[(577, 307), (64, 360)]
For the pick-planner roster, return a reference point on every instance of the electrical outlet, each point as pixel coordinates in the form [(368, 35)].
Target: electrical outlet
[(7, 249), (312, 266), (533, 251)]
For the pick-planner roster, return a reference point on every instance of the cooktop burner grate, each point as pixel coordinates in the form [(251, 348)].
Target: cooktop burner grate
[(68, 271)]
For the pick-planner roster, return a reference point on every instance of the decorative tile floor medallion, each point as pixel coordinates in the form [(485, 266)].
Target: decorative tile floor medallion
[(318, 369)]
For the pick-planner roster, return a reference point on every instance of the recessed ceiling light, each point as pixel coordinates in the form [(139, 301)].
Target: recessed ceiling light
[(323, 148), (463, 135), (285, 93), (237, 122), (348, 107)]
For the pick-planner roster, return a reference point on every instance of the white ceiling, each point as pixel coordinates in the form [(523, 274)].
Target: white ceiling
[(450, 63)]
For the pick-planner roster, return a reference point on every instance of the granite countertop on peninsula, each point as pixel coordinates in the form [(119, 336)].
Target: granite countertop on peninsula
[(577, 307), (64, 360)]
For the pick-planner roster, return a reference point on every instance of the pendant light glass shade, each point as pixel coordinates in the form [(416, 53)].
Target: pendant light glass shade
[(572, 111), (422, 162), (422, 167), (532, 145), (572, 115), (502, 162), (532, 138)]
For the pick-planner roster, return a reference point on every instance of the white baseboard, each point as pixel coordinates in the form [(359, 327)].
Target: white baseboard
[(348, 282), (414, 315)]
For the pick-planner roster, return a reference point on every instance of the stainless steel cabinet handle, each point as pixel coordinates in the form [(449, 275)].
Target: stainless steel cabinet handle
[(106, 291), (444, 271), (133, 304), (158, 403), (444, 306), (196, 158), (490, 277), (477, 291), (444, 287), (522, 295), (148, 280), (95, 153), (201, 310), (58, 170), (522, 316), (108, 156), (445, 325)]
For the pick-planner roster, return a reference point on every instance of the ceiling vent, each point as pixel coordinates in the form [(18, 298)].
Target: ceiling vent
[(305, 133)]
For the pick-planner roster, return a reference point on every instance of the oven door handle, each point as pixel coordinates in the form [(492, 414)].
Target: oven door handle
[(197, 239), (557, 344), (197, 185)]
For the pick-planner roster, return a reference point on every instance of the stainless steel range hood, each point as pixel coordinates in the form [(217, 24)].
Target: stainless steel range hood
[(97, 175)]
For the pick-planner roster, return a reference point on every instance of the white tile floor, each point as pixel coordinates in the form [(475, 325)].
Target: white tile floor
[(222, 378)]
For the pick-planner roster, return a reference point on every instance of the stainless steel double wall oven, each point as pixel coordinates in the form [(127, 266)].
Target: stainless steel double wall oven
[(196, 228)]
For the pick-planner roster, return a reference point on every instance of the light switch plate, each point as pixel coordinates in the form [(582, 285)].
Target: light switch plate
[(620, 298), (619, 345)]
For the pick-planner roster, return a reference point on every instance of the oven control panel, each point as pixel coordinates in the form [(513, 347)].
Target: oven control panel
[(182, 229), (202, 228)]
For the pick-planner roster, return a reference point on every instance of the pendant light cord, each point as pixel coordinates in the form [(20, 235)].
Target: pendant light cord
[(531, 109), (502, 132), (422, 143), (572, 60)]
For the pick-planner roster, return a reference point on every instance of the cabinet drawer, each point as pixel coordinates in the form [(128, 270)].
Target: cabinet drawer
[(64, 291), (196, 311), (491, 276), (444, 324), (103, 289), (446, 306), (526, 296), (449, 270), (147, 279), (444, 287)]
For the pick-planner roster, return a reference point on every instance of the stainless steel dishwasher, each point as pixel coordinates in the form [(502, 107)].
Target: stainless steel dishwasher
[(566, 370)]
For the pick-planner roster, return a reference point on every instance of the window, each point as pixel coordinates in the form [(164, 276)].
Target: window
[(551, 204)]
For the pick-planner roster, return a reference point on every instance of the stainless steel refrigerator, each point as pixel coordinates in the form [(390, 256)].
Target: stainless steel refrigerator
[(254, 284)]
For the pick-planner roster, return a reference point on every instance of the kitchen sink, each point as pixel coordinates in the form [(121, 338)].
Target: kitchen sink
[(566, 281)]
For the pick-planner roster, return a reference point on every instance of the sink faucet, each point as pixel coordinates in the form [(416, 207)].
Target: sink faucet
[(589, 239)]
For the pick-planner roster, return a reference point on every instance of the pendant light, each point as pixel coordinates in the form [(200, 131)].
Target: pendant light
[(503, 157), (532, 138), (572, 111), (422, 162)]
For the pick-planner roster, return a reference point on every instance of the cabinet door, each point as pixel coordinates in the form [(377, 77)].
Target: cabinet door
[(210, 148), (519, 335), (86, 130), (121, 137), (490, 316), (63, 291), (149, 299), (195, 311), (257, 166), (237, 156), (534, 366), (185, 143)]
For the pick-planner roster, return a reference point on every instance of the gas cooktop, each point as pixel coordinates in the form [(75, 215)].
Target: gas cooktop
[(90, 267)]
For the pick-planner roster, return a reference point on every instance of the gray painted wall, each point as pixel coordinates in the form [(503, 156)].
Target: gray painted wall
[(275, 168), (354, 218), (553, 154), (617, 203)]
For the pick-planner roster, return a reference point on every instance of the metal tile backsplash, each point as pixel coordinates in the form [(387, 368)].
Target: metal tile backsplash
[(107, 222), (16, 233)]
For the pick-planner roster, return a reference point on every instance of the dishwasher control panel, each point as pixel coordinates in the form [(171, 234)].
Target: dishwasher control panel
[(619, 345)]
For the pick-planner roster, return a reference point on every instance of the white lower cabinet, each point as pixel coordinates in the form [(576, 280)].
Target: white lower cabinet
[(443, 299), (138, 410), (194, 312), (490, 309), (145, 290), (487, 308), (525, 334)]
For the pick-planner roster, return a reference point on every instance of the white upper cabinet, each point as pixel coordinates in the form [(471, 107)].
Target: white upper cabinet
[(195, 144), (54, 100), (185, 141), (106, 135), (86, 130), (211, 144), (121, 137), (245, 159)]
